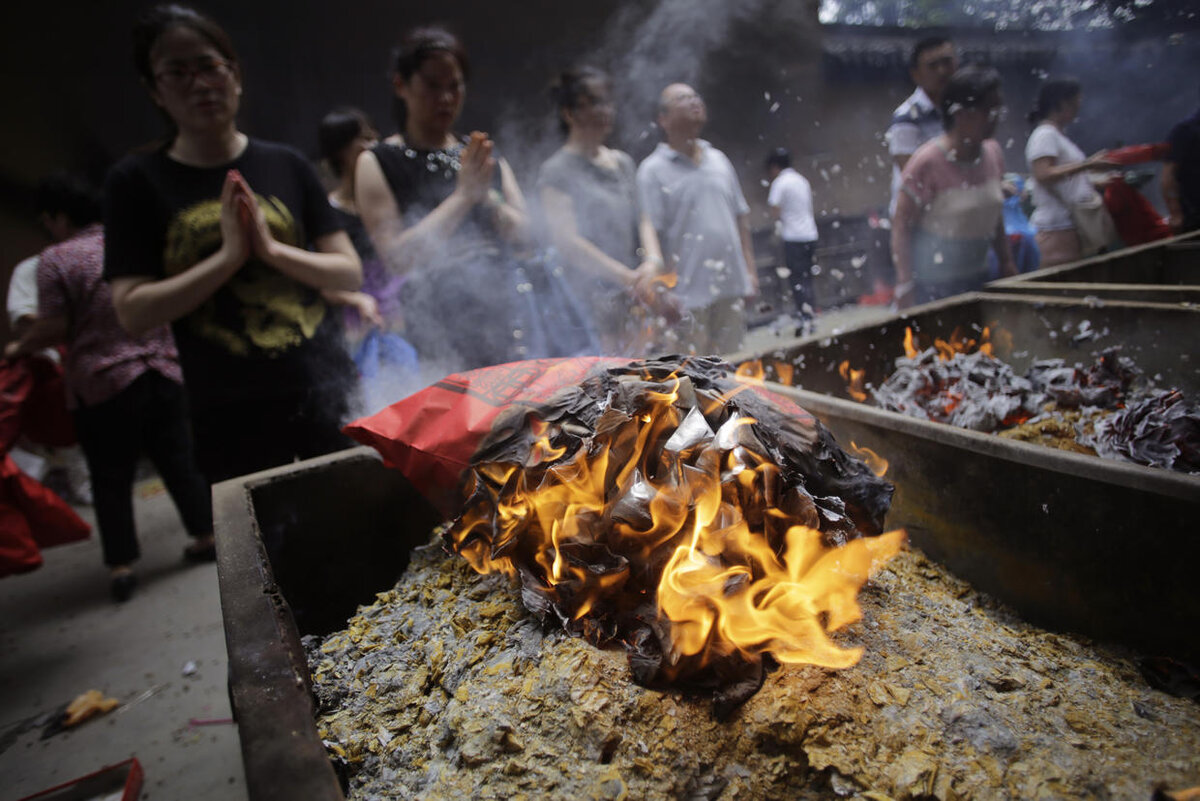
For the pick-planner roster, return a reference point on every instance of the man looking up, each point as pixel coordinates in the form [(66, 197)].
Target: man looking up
[(692, 196)]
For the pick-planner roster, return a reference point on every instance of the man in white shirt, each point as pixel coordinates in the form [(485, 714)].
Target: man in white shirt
[(919, 118), (915, 121), (22, 296), (791, 202), (691, 194)]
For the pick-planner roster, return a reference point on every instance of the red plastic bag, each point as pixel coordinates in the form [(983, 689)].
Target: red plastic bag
[(32, 517), (1136, 219), (1139, 154), (33, 402), (431, 435)]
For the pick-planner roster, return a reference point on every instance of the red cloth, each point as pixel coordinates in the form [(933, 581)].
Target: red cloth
[(33, 402), (1136, 219), (1139, 154), (32, 517)]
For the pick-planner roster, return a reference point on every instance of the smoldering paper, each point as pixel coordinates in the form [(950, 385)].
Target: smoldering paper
[(446, 688), (1108, 408), (664, 452)]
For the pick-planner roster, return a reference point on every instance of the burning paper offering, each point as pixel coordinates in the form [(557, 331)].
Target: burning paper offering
[(1108, 408), (699, 522)]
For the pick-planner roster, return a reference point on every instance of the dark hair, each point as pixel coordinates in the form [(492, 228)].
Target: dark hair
[(70, 194), (928, 43), (969, 87), (780, 158), (571, 88), (1052, 94), (415, 48), (151, 25), (338, 129)]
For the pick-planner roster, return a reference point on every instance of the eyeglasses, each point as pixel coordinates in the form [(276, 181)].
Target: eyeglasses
[(997, 114), (181, 76)]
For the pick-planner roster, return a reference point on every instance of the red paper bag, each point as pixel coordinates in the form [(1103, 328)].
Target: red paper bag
[(430, 435)]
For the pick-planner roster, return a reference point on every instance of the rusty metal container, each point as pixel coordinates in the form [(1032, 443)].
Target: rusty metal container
[(299, 547), (1072, 542), (1167, 271)]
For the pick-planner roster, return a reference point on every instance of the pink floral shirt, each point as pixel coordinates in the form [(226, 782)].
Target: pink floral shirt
[(102, 358)]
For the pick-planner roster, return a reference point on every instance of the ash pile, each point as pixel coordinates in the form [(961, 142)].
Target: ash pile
[(1109, 408), (640, 511), (447, 688)]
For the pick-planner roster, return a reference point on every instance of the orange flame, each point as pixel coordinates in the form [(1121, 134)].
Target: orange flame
[(957, 343), (854, 381), (755, 371), (724, 586), (752, 371), (877, 463), (669, 280)]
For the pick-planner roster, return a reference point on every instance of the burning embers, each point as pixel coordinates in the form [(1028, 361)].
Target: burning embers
[(699, 522), (1108, 408)]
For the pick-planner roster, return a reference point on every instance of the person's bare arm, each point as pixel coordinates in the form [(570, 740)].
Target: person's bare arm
[(41, 332), (333, 264), (366, 306), (1047, 170), (512, 217), (652, 257), (404, 248), (748, 251), (577, 250), (903, 222), (1000, 243), (1170, 192), (143, 303)]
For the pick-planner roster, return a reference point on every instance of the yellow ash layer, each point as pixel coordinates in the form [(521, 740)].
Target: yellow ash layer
[(445, 688), (1059, 430)]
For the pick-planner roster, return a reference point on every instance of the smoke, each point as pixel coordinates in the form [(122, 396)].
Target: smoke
[(643, 51)]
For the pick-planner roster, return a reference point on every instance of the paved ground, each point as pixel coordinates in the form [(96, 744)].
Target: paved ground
[(61, 635)]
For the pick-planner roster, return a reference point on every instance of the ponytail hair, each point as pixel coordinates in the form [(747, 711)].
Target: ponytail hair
[(573, 87), (1051, 95)]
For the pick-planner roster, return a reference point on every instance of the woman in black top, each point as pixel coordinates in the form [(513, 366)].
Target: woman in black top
[(448, 214), (231, 240), (343, 134)]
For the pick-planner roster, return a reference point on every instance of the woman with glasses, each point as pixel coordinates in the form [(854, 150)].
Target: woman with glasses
[(233, 241), (949, 209), (590, 201), (1060, 170)]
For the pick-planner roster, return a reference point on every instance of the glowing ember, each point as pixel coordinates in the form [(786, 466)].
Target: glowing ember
[(698, 521), (854, 381)]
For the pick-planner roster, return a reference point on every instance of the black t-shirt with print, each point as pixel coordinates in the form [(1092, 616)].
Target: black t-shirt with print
[(262, 334)]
